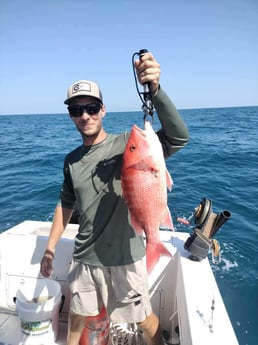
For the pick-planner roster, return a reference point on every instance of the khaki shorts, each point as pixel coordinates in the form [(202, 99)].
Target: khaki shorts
[(122, 289)]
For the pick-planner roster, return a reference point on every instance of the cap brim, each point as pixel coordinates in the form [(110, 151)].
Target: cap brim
[(68, 100)]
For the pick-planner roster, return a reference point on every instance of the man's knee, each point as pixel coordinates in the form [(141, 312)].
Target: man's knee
[(152, 330), (150, 324)]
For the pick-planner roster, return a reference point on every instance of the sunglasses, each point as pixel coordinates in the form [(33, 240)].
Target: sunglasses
[(91, 109)]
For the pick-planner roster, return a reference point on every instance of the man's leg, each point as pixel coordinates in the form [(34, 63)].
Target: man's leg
[(76, 326), (152, 330)]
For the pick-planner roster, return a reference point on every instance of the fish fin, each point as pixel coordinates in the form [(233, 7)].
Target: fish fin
[(136, 226), (169, 180), (167, 221), (153, 253)]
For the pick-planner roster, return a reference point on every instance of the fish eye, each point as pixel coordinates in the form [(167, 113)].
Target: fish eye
[(132, 148)]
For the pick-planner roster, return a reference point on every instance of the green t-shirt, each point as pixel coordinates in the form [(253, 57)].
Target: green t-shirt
[(92, 181)]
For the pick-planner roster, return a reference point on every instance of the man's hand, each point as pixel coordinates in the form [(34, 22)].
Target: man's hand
[(46, 264), (148, 70)]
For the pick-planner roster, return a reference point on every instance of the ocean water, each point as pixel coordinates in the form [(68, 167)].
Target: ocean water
[(219, 163)]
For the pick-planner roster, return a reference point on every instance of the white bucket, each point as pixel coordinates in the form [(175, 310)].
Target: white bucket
[(38, 303)]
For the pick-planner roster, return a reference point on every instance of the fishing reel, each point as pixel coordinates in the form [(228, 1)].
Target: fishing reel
[(206, 224), (145, 96)]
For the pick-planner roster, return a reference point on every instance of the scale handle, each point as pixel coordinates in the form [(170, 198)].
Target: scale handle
[(146, 86)]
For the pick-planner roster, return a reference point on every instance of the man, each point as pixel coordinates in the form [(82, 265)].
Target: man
[(108, 267)]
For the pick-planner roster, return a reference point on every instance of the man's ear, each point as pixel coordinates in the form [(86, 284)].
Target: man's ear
[(103, 109)]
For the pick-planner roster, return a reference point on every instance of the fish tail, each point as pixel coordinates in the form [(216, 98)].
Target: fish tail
[(153, 253)]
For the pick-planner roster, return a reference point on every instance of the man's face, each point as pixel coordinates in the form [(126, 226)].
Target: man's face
[(89, 124)]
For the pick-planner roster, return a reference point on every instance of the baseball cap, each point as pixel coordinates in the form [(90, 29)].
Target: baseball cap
[(83, 88)]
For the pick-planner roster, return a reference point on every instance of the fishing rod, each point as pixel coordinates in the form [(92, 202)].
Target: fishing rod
[(146, 95)]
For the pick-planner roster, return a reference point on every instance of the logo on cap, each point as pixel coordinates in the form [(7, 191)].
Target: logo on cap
[(81, 87), (76, 88)]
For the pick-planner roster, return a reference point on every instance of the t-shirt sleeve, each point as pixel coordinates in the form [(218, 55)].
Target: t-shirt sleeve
[(174, 134), (67, 196)]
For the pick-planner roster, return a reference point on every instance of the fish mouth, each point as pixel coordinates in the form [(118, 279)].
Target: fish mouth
[(137, 128), (140, 131)]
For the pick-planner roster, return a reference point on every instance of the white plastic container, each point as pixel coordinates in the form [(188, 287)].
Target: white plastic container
[(38, 303)]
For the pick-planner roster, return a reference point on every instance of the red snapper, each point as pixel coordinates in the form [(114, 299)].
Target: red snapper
[(145, 180)]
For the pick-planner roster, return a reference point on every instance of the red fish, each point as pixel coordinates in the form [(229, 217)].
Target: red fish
[(145, 180)]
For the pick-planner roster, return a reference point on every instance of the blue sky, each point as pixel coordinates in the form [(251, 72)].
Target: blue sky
[(207, 49)]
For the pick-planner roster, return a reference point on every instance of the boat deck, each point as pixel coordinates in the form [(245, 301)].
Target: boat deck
[(182, 291)]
